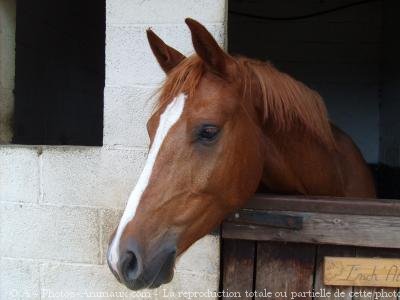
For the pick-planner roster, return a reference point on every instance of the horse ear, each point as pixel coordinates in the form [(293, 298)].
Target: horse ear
[(207, 47), (166, 56)]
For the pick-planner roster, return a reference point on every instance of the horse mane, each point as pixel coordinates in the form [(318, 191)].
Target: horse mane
[(288, 103)]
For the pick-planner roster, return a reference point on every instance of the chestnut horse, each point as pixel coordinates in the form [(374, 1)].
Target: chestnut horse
[(223, 126)]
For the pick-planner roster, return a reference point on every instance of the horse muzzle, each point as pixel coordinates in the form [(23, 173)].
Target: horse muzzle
[(137, 273)]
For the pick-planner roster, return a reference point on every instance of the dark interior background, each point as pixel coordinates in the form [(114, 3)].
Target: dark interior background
[(60, 70), (350, 56)]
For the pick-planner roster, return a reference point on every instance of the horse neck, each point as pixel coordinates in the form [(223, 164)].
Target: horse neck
[(298, 163)]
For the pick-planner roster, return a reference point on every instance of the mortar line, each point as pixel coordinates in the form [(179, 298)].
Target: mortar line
[(52, 261), (41, 186), (100, 216), (40, 279), (135, 86), (155, 24), (59, 205)]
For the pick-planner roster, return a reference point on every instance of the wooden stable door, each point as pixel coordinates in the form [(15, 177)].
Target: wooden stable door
[(291, 270), (275, 247)]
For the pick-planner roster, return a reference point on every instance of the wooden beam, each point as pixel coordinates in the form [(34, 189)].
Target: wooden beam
[(322, 228), (350, 206)]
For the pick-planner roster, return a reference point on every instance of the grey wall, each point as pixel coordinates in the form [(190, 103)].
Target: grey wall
[(338, 54), (63, 202)]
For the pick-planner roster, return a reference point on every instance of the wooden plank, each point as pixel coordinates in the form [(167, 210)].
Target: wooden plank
[(357, 271), (350, 206), (284, 268), (352, 230), (375, 293), (335, 291), (238, 267)]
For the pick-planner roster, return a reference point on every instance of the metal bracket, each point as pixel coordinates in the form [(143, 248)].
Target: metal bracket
[(265, 218)]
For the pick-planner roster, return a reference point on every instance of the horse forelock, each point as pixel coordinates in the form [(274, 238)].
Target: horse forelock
[(184, 78)]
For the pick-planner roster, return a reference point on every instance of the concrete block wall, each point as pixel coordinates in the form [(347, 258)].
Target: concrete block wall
[(59, 204), (132, 73), (7, 67)]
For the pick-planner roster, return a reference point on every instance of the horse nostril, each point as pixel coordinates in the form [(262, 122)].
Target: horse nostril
[(130, 269)]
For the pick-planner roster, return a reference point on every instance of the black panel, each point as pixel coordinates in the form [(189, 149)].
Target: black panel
[(60, 70)]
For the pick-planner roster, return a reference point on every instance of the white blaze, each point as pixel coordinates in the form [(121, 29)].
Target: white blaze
[(168, 118)]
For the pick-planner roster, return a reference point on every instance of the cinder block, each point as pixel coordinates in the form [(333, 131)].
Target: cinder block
[(19, 279), (83, 281), (49, 232), (129, 60), (126, 111), (88, 176), (79, 281), (164, 11), (202, 256), (19, 174), (109, 219), (190, 286)]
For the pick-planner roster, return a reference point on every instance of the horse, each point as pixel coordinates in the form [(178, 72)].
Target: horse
[(223, 126)]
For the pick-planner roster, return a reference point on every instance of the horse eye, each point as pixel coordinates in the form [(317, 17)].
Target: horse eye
[(207, 133)]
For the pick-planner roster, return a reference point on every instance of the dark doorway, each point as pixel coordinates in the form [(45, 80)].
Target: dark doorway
[(345, 50), (60, 71)]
